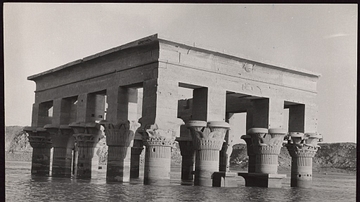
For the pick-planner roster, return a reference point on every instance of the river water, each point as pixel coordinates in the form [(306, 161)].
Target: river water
[(20, 186)]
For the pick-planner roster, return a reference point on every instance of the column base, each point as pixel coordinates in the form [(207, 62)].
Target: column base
[(224, 179), (262, 180)]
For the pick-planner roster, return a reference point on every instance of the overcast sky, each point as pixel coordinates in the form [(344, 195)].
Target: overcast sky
[(320, 38)]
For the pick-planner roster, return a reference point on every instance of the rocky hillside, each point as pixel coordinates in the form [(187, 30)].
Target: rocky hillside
[(339, 157)]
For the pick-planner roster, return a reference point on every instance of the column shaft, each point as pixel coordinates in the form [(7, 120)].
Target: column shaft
[(224, 158), (61, 166), (135, 161), (40, 164), (266, 163), (206, 163), (301, 172), (157, 165), (118, 166), (84, 164), (187, 161), (252, 164), (63, 142)]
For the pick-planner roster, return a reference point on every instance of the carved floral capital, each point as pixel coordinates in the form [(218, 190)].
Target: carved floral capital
[(38, 137), (118, 134), (208, 136)]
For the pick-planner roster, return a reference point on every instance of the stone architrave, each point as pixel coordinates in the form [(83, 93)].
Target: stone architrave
[(119, 138), (266, 146), (63, 143), (158, 143), (40, 141), (208, 139), (86, 136), (302, 148)]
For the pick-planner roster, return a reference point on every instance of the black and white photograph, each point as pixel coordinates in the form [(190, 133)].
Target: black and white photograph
[(180, 102)]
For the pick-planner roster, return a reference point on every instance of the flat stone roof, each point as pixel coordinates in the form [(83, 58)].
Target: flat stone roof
[(165, 39)]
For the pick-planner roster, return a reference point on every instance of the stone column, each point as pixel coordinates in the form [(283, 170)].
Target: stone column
[(40, 141), (250, 153), (187, 161), (158, 145), (227, 148), (159, 127), (302, 149), (136, 150), (118, 138), (63, 142), (86, 135), (208, 139), (267, 148)]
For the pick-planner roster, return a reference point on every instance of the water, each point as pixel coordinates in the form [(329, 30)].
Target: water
[(20, 186)]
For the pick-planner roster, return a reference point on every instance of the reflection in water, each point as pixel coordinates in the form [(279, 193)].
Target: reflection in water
[(21, 186)]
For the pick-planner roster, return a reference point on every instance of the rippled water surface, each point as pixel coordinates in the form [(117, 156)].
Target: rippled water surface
[(20, 186)]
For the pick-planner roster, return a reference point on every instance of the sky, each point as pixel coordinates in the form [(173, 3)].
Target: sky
[(319, 38)]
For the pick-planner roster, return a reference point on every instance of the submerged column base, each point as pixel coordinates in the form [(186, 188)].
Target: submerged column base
[(262, 179), (61, 166), (118, 166), (224, 179)]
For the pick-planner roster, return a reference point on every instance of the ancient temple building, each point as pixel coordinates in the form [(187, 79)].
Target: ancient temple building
[(143, 82)]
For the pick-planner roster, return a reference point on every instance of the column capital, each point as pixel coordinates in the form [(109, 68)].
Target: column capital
[(263, 136), (301, 150), (169, 129), (118, 134), (267, 141), (208, 136), (159, 141), (299, 138), (61, 136), (86, 134), (66, 130), (85, 127), (303, 145), (38, 137)]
